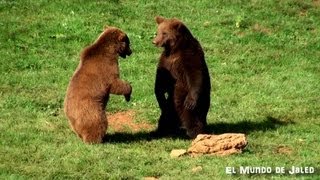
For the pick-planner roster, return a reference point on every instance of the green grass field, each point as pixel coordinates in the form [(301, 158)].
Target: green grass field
[(264, 62)]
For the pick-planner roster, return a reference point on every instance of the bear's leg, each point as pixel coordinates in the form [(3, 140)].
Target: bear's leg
[(92, 139), (93, 127), (191, 119), (193, 124), (169, 123), (94, 134), (202, 109)]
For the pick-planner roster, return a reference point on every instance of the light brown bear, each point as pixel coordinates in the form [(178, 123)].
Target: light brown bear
[(182, 85), (96, 76)]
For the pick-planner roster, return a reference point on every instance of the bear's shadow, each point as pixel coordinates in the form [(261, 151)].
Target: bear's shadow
[(244, 126)]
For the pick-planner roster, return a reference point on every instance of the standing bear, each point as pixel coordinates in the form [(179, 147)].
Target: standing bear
[(182, 85), (96, 76)]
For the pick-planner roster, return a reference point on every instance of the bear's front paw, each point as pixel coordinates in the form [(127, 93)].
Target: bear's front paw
[(190, 103), (128, 92), (127, 97)]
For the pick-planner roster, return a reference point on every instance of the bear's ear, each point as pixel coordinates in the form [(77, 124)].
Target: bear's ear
[(106, 27), (159, 19), (177, 25), (121, 37), (180, 27)]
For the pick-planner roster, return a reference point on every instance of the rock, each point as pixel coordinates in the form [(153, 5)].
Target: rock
[(177, 153), (224, 144)]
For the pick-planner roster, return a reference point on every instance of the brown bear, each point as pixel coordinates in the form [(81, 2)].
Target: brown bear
[(182, 85), (96, 76)]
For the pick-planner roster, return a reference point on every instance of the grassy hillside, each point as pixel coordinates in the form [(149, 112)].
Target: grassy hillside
[(264, 63)]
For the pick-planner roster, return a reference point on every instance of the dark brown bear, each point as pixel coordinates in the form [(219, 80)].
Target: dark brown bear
[(95, 78), (182, 84)]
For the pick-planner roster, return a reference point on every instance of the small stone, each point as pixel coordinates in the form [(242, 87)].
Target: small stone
[(206, 24), (150, 178), (177, 153), (196, 169)]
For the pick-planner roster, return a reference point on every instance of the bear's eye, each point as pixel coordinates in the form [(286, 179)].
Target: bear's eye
[(164, 33)]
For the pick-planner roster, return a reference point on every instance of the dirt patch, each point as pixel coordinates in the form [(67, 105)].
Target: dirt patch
[(316, 3), (255, 28), (284, 150), (124, 122), (259, 28)]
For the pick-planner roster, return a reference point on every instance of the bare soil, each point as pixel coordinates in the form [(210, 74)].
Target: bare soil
[(284, 150), (124, 121)]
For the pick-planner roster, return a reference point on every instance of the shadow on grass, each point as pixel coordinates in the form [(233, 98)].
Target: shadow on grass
[(127, 137), (245, 126)]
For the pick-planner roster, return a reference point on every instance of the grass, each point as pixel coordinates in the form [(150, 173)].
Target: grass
[(264, 62)]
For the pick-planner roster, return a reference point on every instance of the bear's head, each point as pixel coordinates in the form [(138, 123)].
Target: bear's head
[(170, 32), (124, 45), (117, 39)]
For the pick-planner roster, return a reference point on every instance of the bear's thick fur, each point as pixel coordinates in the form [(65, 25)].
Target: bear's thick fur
[(96, 76), (182, 85)]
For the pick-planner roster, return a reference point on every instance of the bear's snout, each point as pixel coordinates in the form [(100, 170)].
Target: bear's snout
[(129, 52), (156, 41), (126, 52)]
